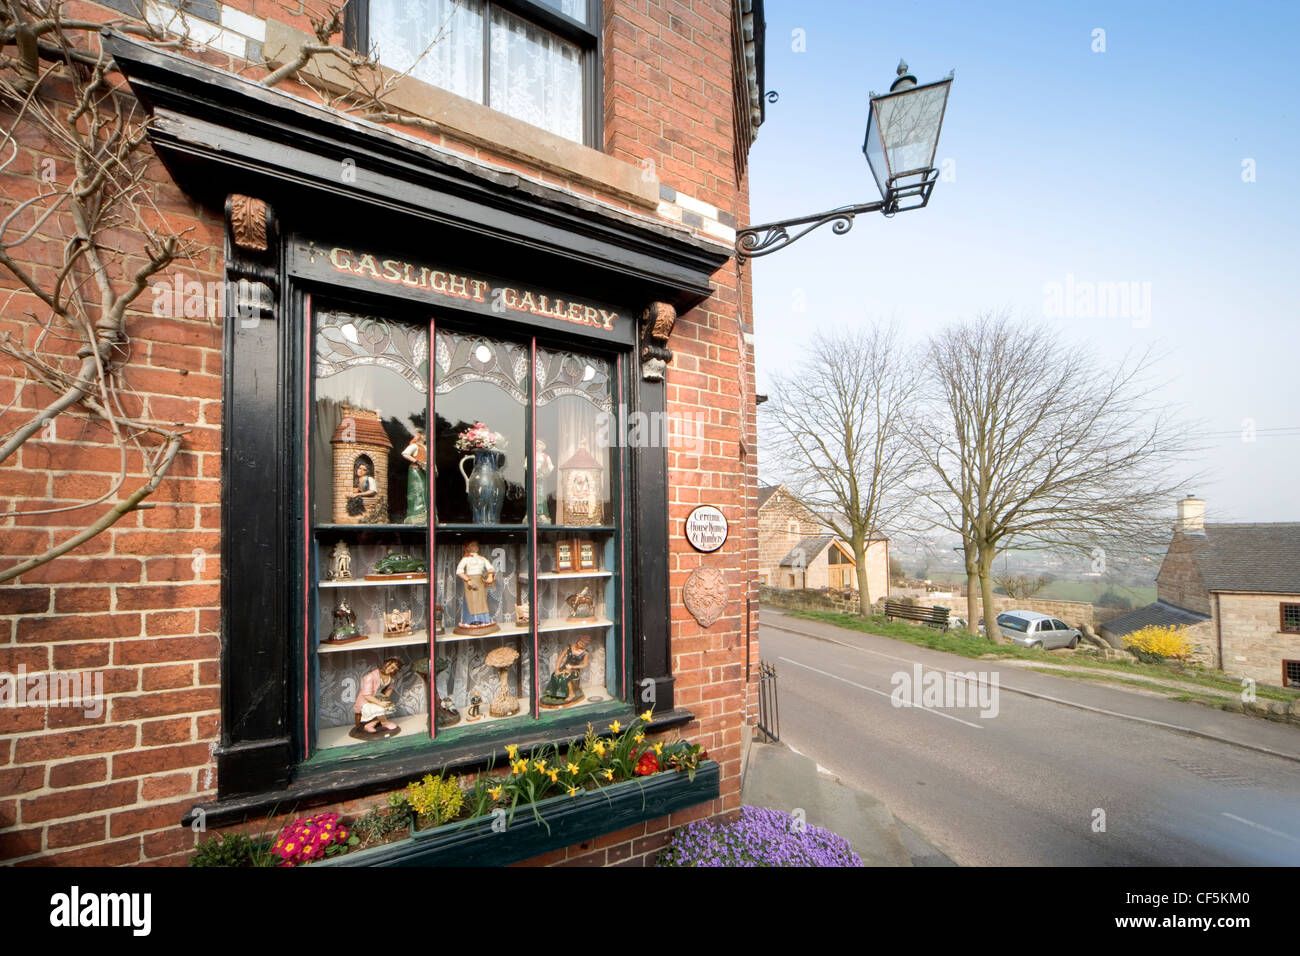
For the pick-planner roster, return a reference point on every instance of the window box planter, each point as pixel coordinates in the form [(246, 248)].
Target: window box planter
[(570, 820)]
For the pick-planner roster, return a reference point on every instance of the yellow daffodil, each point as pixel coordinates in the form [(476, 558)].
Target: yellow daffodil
[(573, 768), (615, 727), (638, 737), (573, 791), (659, 747), (609, 774), (494, 793), (540, 765), (512, 751), (554, 775), (599, 747), (519, 766), (646, 715)]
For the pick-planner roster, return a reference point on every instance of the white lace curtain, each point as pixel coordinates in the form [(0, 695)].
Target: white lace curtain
[(536, 76), (444, 36)]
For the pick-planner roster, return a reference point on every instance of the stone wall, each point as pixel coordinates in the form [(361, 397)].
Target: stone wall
[(1254, 645), (839, 601), (1179, 580)]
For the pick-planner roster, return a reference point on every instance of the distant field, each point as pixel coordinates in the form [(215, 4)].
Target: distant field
[(1086, 591)]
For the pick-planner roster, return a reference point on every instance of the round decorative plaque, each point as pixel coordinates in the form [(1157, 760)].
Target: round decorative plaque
[(706, 528)]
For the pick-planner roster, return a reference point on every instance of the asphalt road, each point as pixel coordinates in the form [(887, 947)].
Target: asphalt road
[(1030, 784)]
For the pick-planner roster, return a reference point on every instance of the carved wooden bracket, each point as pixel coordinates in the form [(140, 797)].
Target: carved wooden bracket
[(252, 260), (656, 325)]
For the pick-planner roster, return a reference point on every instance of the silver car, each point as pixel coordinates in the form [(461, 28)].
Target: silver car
[(1031, 629)]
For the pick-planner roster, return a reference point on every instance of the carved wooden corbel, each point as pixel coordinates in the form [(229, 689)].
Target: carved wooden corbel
[(656, 325), (252, 260)]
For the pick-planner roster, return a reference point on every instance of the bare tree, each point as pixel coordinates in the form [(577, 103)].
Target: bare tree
[(837, 425), (1019, 585), (1036, 443)]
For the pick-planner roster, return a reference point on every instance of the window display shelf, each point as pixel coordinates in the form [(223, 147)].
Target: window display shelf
[(560, 624), (574, 529), (362, 583), (412, 725), (372, 641), (565, 575), (480, 528), (386, 528), (514, 630)]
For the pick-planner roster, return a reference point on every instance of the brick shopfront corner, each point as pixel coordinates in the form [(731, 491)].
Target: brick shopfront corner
[(354, 409)]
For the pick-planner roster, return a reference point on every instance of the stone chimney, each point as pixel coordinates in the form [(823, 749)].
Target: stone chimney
[(1191, 516)]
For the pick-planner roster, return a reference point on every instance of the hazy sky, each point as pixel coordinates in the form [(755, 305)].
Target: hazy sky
[(1064, 165)]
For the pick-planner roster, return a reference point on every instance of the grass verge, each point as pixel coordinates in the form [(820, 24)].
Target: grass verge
[(978, 646)]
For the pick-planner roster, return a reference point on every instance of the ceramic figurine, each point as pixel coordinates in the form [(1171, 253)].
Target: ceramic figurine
[(580, 483), (478, 575), (542, 468), (475, 711), (417, 496), (365, 490), (360, 451), (401, 567), (374, 703), (437, 617), (504, 704), (565, 685), (523, 613), (448, 715), (345, 626), (397, 622), (582, 606), (341, 562)]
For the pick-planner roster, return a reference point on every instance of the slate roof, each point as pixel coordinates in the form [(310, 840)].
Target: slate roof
[(810, 547), (1160, 614), (1260, 558), (765, 493)]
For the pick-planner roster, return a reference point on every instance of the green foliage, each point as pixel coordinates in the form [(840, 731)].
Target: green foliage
[(1154, 643), (435, 800), (225, 849), (381, 822)]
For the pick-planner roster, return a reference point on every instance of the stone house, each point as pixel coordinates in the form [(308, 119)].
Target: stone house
[(796, 550), (537, 229), (1236, 588)]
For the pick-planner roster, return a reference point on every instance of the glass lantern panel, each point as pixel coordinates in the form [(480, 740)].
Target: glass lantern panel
[(908, 124)]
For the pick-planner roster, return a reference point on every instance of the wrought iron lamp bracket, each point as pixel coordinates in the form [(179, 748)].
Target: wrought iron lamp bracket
[(764, 239)]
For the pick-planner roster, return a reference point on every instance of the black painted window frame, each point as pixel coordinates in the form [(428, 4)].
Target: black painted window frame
[(588, 36), (260, 762)]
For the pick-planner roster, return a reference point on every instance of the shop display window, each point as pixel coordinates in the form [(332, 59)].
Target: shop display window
[(465, 508)]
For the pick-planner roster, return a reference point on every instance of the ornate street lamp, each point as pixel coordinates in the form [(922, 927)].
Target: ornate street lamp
[(902, 136)]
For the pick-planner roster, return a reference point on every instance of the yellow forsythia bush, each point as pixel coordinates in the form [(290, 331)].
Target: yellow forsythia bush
[(1158, 641)]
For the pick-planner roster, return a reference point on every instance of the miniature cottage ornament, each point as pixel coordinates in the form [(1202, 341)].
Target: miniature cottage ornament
[(361, 448), (581, 501)]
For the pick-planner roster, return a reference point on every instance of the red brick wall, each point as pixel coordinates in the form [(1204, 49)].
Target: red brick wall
[(136, 604)]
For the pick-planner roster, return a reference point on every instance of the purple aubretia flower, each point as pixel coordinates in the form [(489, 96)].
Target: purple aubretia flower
[(759, 838)]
